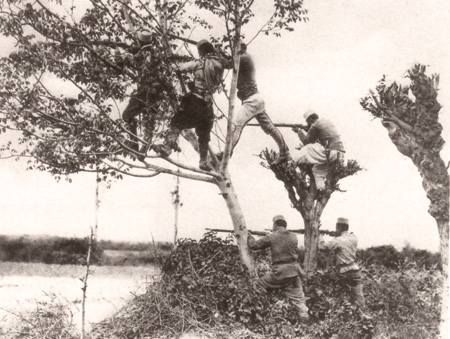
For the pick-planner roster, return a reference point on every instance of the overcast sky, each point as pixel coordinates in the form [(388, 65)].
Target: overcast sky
[(327, 65)]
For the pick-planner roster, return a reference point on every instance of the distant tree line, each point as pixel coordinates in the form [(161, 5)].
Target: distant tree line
[(390, 257), (73, 251)]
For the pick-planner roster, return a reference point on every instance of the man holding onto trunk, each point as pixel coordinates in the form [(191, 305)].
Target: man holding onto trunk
[(253, 106), (196, 108)]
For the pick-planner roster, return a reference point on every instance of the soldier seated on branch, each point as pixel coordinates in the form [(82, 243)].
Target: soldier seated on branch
[(286, 271), (345, 246), (322, 144), (196, 108)]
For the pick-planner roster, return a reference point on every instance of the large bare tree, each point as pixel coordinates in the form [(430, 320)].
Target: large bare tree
[(410, 115), (66, 132)]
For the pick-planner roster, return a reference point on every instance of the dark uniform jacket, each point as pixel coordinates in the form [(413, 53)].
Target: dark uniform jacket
[(283, 249), (324, 132)]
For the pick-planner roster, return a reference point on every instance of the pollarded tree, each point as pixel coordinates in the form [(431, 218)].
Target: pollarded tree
[(411, 116), (88, 53), (307, 199)]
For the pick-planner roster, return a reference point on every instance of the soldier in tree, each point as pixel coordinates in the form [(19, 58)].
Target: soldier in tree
[(145, 60), (344, 246), (196, 108), (253, 106), (145, 95), (286, 271), (322, 144)]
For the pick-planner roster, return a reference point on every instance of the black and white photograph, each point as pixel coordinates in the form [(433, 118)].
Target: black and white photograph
[(215, 169)]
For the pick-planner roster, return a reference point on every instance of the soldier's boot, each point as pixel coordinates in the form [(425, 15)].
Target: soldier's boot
[(162, 149), (170, 143), (283, 156), (203, 150), (133, 142)]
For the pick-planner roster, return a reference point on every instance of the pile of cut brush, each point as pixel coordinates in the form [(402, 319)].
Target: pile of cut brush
[(205, 290)]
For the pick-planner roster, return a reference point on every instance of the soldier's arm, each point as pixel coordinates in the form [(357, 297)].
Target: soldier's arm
[(300, 134), (330, 245), (311, 136), (127, 17), (259, 244), (186, 66)]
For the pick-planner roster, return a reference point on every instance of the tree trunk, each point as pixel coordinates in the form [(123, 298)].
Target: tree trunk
[(443, 237), (237, 217), (97, 206), (311, 241), (313, 209), (176, 205), (414, 128)]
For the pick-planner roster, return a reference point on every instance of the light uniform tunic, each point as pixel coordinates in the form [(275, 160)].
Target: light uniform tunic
[(345, 247)]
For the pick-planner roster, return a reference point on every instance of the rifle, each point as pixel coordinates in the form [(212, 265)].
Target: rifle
[(302, 231), (303, 127), (299, 231), (231, 231)]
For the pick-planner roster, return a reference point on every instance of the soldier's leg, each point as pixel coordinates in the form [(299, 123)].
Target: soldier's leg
[(135, 105), (266, 282), (250, 107), (204, 135), (320, 169), (320, 175), (181, 120), (294, 293), (269, 128), (354, 280)]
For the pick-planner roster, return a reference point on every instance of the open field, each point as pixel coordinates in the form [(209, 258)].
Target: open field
[(24, 285)]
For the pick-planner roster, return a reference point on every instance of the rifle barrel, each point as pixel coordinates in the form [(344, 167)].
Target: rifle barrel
[(231, 231), (302, 231), (279, 125)]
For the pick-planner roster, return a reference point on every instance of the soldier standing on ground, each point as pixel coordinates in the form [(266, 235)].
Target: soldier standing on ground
[(286, 270), (345, 246)]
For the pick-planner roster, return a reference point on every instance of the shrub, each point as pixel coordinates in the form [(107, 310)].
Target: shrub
[(50, 319), (205, 287)]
